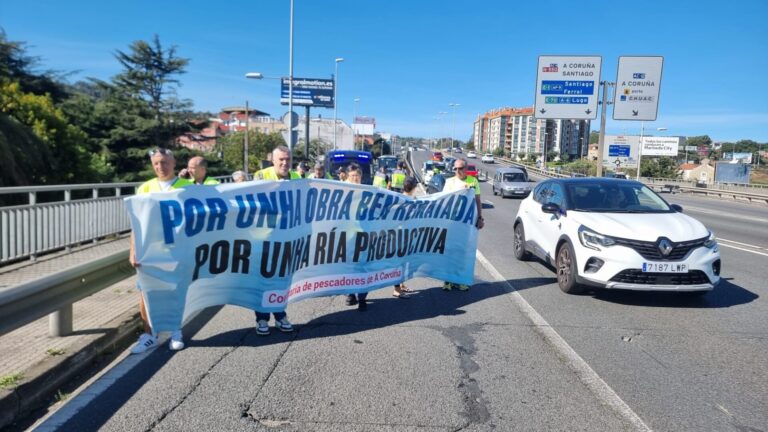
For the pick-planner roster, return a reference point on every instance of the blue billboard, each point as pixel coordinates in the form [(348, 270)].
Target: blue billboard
[(309, 91)]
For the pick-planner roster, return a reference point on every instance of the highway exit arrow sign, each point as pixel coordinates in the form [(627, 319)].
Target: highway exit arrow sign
[(567, 87)]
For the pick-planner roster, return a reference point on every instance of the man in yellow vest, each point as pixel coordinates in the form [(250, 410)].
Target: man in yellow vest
[(398, 177), (279, 171), (458, 182), (281, 166), (197, 171), (164, 165)]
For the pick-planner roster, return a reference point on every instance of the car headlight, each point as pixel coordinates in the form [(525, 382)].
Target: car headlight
[(711, 242), (594, 240)]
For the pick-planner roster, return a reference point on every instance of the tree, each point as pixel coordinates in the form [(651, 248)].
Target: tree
[(150, 73), (38, 145), (594, 137), (317, 147), (17, 66), (380, 146), (659, 167), (259, 144)]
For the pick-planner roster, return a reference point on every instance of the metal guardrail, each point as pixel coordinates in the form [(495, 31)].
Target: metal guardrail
[(54, 294), (660, 184), (72, 215), (35, 228)]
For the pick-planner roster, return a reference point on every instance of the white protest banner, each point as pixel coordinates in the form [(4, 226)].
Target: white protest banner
[(261, 245)]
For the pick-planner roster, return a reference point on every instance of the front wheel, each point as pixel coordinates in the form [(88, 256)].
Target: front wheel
[(566, 268), (519, 247)]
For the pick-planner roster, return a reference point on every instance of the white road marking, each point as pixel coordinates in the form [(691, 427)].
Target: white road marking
[(723, 214), (740, 243), (742, 249), (585, 373)]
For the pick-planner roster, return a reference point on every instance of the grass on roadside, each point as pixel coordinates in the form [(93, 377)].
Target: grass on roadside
[(53, 352), (11, 380), (61, 396)]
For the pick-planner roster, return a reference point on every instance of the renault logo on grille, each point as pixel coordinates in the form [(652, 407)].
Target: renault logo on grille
[(665, 247)]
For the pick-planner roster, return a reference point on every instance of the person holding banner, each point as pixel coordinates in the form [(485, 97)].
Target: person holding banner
[(409, 189), (279, 171), (164, 165), (458, 182), (355, 175), (197, 171)]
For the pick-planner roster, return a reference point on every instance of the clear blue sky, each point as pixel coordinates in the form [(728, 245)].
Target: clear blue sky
[(407, 59)]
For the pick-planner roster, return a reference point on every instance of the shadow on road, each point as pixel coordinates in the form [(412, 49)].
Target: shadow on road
[(382, 312), (726, 294)]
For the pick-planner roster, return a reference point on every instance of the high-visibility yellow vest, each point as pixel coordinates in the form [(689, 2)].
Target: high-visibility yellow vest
[(271, 174), (398, 179), (210, 181), (154, 185), (380, 180)]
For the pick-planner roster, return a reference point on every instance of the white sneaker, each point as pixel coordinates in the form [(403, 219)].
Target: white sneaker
[(284, 325), (177, 341), (262, 328), (145, 343)]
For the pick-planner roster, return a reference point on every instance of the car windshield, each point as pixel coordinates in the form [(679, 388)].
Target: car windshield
[(614, 198), (514, 177), (471, 168), (389, 163)]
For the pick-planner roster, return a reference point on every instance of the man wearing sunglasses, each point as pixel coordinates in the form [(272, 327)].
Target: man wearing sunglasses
[(164, 165), (461, 181)]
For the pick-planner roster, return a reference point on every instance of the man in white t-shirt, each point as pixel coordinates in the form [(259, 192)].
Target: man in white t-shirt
[(458, 182)]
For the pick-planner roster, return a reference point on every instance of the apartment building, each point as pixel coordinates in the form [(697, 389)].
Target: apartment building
[(516, 131)]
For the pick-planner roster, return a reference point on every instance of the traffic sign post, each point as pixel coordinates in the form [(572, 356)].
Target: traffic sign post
[(638, 82), (567, 87)]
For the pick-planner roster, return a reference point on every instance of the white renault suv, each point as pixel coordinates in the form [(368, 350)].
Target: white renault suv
[(612, 233)]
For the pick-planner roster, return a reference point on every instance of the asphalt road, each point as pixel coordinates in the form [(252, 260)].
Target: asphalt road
[(513, 353)]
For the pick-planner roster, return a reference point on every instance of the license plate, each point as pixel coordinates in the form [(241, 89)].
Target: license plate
[(651, 267)]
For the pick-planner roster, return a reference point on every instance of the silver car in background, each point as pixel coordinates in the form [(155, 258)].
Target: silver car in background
[(511, 182)]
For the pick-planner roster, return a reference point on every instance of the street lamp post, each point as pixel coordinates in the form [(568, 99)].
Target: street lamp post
[(453, 134), (354, 132), (290, 85), (335, 100)]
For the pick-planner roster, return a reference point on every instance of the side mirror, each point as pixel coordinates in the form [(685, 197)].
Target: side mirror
[(550, 208), (676, 207)]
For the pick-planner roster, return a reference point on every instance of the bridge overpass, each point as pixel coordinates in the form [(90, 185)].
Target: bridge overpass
[(108, 319)]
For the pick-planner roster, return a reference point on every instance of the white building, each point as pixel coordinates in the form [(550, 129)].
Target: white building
[(322, 129)]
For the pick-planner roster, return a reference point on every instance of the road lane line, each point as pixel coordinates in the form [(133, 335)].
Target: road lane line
[(723, 214), (585, 373), (740, 243), (742, 249)]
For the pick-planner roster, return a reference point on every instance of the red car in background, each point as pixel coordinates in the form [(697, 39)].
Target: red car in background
[(471, 170), (437, 156)]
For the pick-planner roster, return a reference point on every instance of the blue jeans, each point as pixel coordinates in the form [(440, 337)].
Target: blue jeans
[(265, 315)]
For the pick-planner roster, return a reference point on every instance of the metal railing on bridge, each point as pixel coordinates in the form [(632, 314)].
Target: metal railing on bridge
[(71, 215), (44, 219)]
